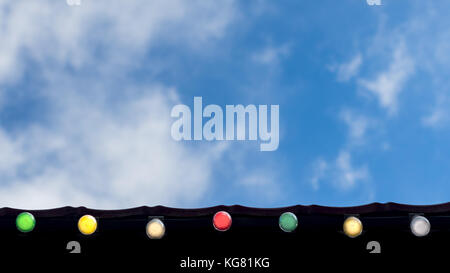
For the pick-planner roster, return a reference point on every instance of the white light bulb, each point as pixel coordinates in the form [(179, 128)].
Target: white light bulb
[(155, 229), (420, 226)]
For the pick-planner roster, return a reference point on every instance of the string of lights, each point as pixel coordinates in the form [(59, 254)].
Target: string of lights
[(290, 219), (175, 238)]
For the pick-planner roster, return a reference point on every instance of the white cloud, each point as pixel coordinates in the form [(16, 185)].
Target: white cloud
[(9, 156), (341, 172), (347, 175), (53, 33), (439, 115), (357, 125), (271, 54), (420, 44), (94, 158), (388, 84), (262, 184), (320, 168), (106, 143), (347, 71), (436, 118)]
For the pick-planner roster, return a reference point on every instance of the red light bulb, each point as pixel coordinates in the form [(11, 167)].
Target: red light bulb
[(222, 221)]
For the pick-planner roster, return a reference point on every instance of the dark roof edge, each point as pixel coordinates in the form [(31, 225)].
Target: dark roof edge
[(235, 209)]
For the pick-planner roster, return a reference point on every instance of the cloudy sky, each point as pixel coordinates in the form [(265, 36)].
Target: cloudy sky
[(86, 93)]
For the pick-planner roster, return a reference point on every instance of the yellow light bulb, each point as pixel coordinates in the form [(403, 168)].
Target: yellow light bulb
[(352, 227), (87, 225), (155, 229)]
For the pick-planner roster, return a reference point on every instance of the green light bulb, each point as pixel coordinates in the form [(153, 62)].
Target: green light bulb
[(25, 222), (288, 222)]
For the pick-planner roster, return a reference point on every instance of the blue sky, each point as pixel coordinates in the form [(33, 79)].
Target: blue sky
[(86, 93)]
